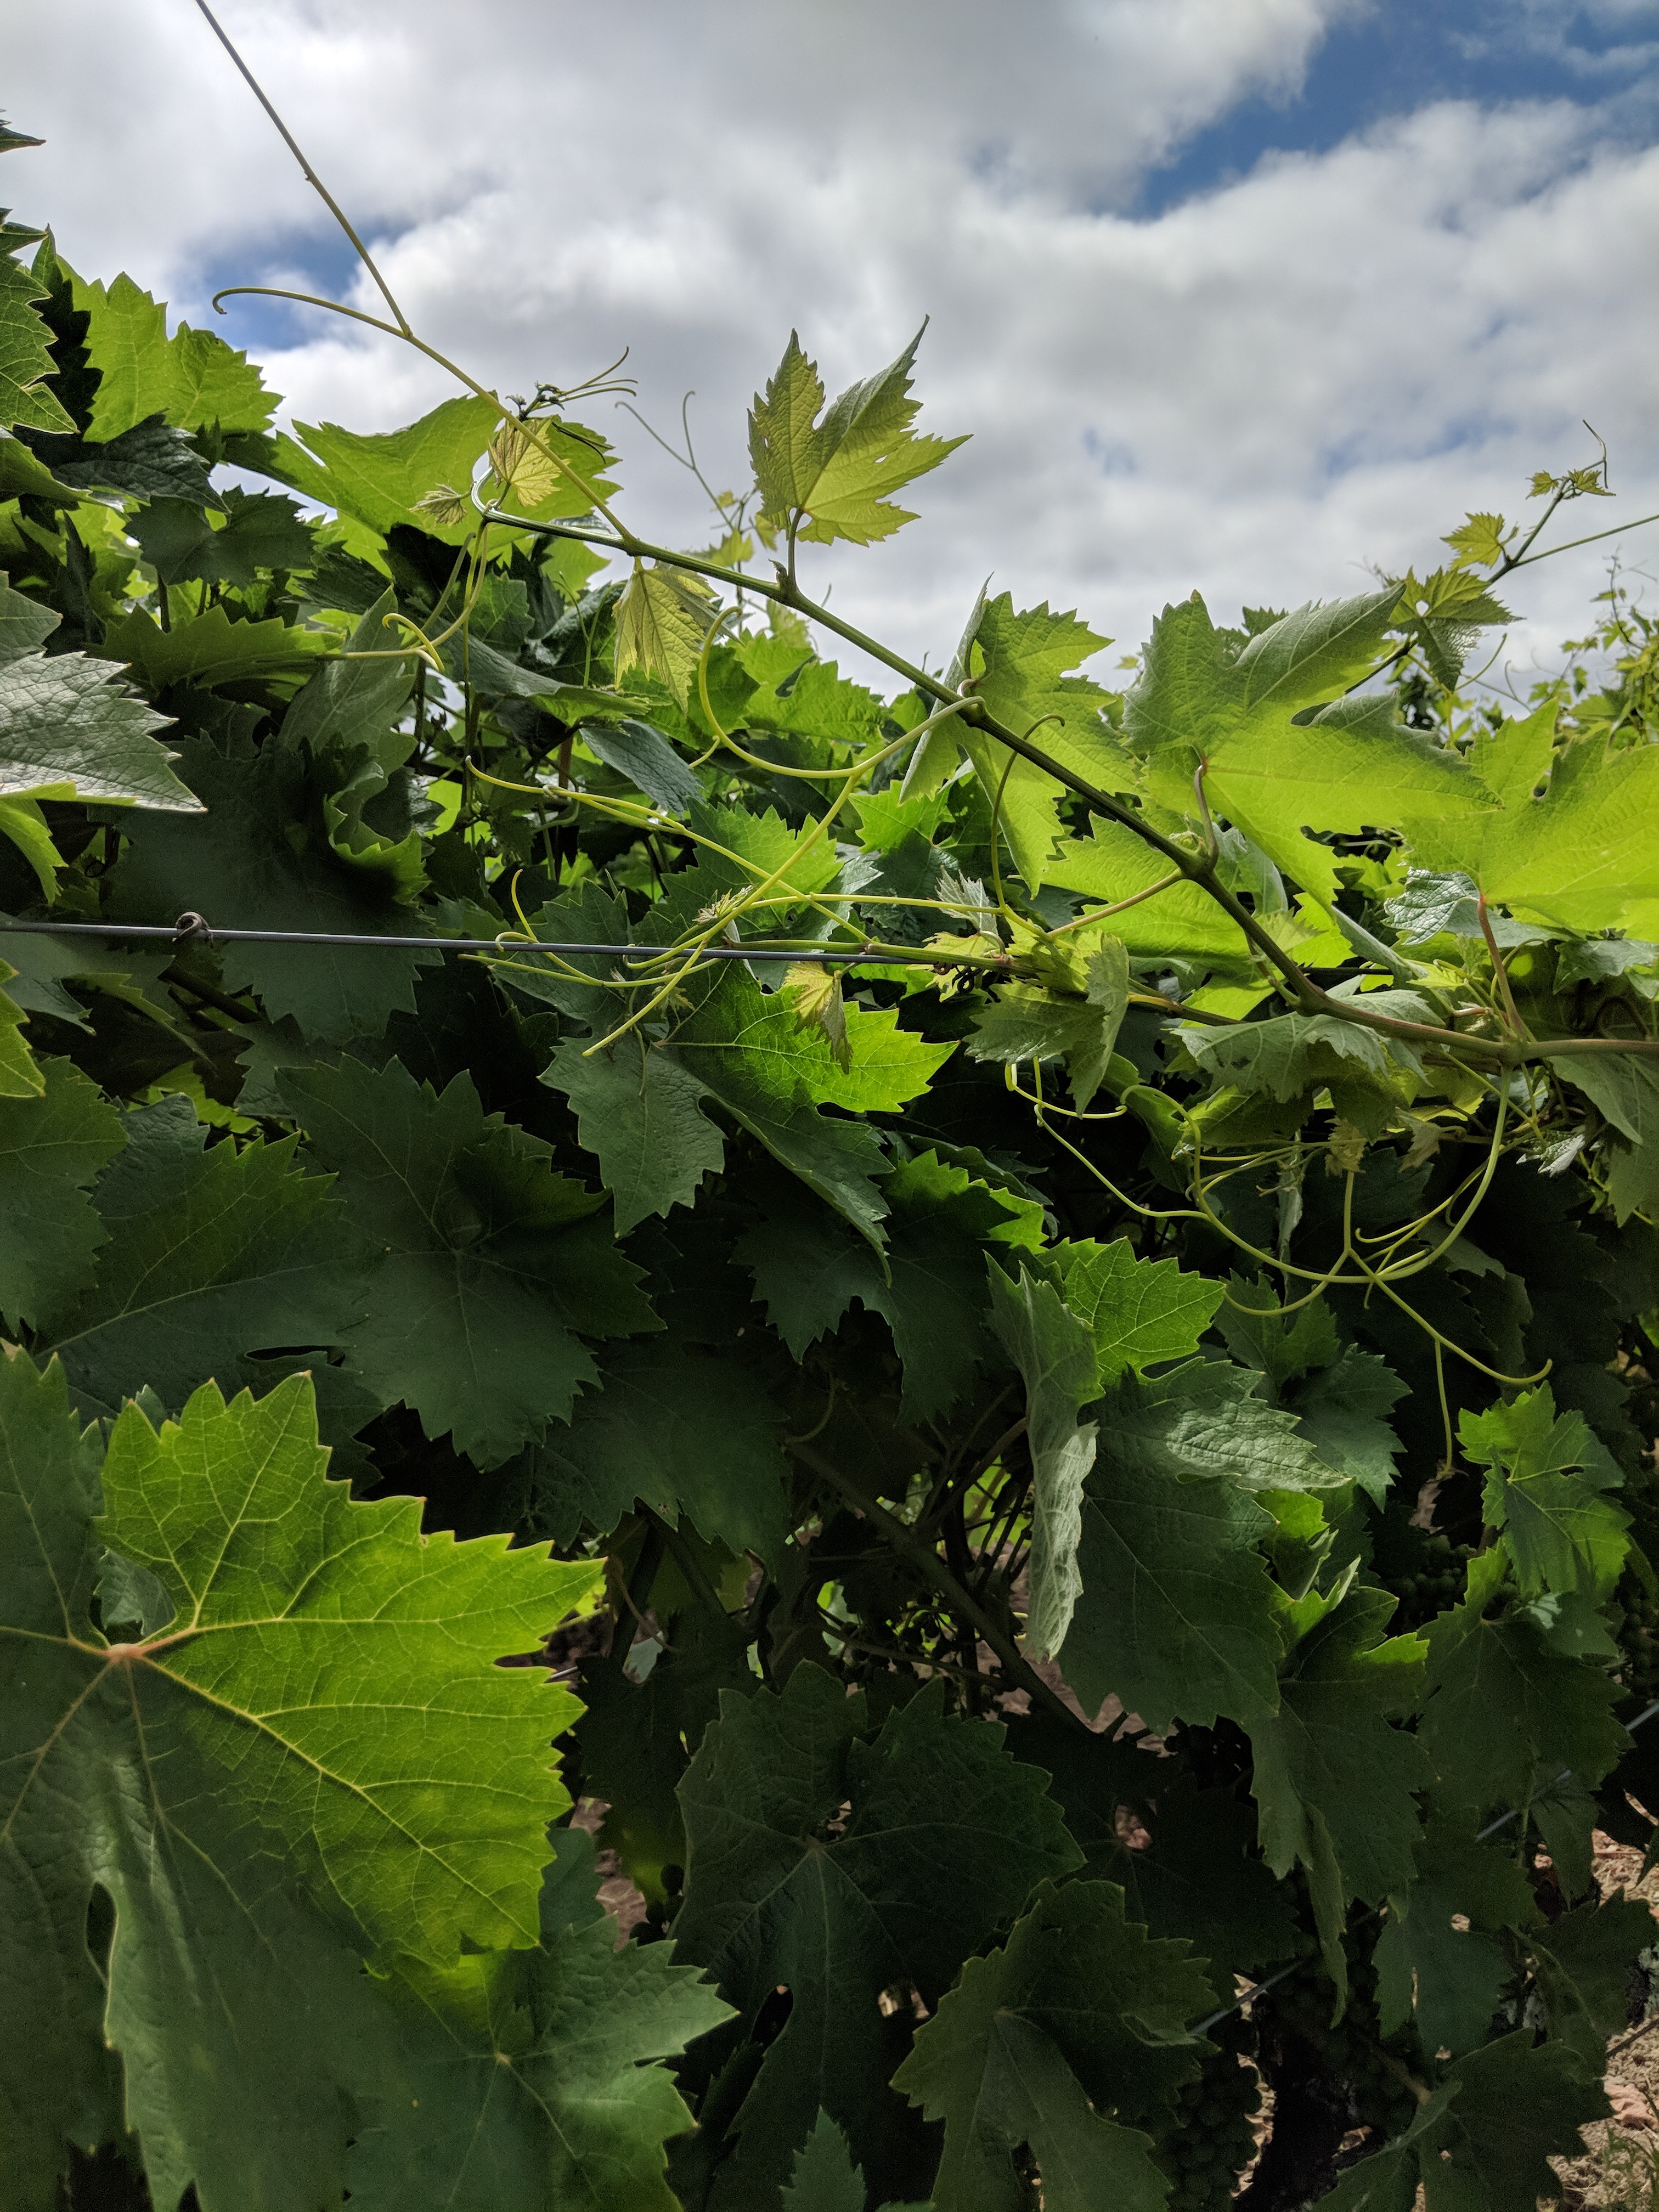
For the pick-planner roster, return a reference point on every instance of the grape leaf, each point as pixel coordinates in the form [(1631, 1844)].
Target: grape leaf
[(66, 730), (1446, 1979), (639, 1103), (211, 1253), (1624, 1088), (1141, 1311), (662, 618), (283, 1777), (691, 1432), (25, 360), (1484, 2140), (51, 1148), (1113, 864), (1270, 767), (809, 1268), (1342, 1411), (263, 531), (1290, 1054), (1511, 1722), (489, 1265), (1075, 2026), (1055, 1353), (1584, 1960), (645, 757), (1333, 1780), (379, 481), (210, 649), (526, 2077), (1340, 1395), (262, 859), (832, 478), (1175, 1615), (1546, 1488), (20, 1075), (193, 380), (637, 1739), (1018, 663), (824, 2177), (843, 1865), (1578, 857), (1024, 1022)]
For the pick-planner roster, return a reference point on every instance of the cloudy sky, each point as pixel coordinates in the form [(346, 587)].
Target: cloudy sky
[(1244, 296)]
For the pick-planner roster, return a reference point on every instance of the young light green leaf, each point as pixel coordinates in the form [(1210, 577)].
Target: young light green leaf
[(815, 993), (662, 619), (833, 478)]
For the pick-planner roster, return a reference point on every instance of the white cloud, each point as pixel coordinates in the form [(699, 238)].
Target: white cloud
[(1318, 365)]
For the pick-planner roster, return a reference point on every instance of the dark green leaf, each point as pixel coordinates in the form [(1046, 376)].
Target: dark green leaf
[(1176, 1614), (843, 1865), (526, 2077), (688, 1431), (210, 1255), (1077, 2026), (489, 1264), (51, 1149)]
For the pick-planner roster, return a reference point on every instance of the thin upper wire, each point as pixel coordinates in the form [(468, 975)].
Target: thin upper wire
[(206, 934)]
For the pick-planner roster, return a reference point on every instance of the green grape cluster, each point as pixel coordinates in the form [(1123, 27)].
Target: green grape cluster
[(1639, 1638), (1213, 2138), (1433, 1580), (1352, 2050)]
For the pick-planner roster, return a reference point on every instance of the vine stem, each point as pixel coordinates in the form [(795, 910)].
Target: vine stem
[(918, 1552), (404, 329)]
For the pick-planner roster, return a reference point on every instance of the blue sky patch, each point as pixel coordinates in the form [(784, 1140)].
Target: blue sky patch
[(1403, 55)]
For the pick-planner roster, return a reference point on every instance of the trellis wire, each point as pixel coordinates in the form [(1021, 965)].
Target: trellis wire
[(191, 929), (1272, 1981)]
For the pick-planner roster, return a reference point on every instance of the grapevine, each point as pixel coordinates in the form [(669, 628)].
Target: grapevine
[(766, 1444)]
